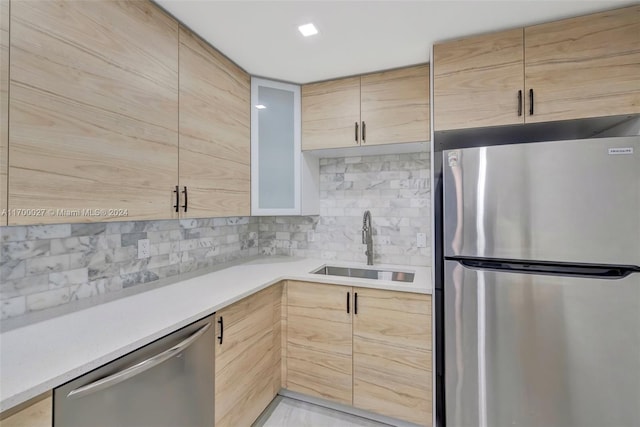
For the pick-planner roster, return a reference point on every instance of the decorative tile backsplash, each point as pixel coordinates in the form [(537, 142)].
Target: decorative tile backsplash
[(395, 188), (51, 265)]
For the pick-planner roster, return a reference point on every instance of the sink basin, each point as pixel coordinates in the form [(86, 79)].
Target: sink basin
[(365, 273)]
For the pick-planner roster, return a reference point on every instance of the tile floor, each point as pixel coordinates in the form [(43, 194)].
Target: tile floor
[(286, 412)]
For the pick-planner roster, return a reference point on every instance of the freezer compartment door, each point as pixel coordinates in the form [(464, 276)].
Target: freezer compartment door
[(573, 201), (528, 350)]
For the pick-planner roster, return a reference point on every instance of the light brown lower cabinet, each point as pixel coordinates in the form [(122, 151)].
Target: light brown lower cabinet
[(392, 354), (36, 414), (247, 358), (319, 341), (368, 348)]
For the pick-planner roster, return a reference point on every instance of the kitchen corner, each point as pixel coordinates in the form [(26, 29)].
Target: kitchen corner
[(83, 340), (310, 214)]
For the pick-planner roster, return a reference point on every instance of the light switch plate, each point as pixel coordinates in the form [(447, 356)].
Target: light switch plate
[(421, 240), (143, 249)]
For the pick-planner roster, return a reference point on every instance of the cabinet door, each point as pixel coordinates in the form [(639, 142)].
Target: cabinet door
[(246, 359), (38, 414), (477, 79), (319, 341), (4, 104), (275, 148), (214, 131), (330, 114), (93, 110), (395, 106), (584, 67), (392, 354)]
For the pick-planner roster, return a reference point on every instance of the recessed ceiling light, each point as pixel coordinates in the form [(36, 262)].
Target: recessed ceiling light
[(308, 29), (260, 107)]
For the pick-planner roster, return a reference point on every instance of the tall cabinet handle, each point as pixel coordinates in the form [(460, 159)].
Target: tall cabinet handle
[(348, 301), (531, 102), (177, 205), (364, 132), (221, 329), (355, 303), (356, 138), (186, 199), (519, 103)]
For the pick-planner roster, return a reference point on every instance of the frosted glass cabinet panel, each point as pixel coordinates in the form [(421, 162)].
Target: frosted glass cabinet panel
[(276, 148), (276, 156)]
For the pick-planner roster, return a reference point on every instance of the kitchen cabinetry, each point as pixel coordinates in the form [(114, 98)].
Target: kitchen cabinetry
[(569, 69), (247, 358), (587, 66), (284, 181), (394, 106), (93, 111), (37, 414), (379, 108), (214, 132), (479, 81), (4, 105), (331, 114), (319, 341), (392, 354), (363, 347)]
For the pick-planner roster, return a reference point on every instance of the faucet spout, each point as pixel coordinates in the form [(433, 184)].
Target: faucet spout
[(367, 236)]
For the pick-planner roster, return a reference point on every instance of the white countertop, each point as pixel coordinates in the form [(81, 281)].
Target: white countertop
[(40, 356)]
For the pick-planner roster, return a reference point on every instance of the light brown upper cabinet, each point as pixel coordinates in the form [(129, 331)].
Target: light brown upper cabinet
[(93, 111), (4, 105), (584, 67), (392, 372), (319, 341), (574, 68), (215, 141), (380, 108), (394, 106), (247, 358), (331, 114), (478, 81)]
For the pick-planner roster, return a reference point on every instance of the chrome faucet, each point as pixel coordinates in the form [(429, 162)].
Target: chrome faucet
[(367, 236)]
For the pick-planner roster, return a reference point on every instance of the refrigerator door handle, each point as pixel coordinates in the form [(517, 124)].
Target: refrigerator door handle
[(549, 268)]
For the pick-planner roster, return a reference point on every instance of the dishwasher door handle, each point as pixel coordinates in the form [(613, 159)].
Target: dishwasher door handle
[(138, 368)]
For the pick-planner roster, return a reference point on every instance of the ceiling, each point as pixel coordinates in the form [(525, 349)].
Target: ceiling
[(354, 36)]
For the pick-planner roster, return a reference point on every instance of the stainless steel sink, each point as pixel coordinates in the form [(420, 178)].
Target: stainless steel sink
[(396, 276)]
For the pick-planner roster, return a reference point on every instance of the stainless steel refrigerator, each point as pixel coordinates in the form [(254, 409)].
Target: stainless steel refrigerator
[(541, 280)]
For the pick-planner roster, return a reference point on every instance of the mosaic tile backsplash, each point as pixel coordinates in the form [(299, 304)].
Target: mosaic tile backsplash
[(395, 188), (51, 265)]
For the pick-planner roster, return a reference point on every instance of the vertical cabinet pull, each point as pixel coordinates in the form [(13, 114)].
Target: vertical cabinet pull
[(221, 329), (355, 303), (364, 132), (531, 102), (348, 301), (519, 103), (186, 199), (177, 205), (356, 131)]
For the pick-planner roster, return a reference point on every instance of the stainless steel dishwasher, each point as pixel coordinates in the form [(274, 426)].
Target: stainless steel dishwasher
[(169, 382)]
